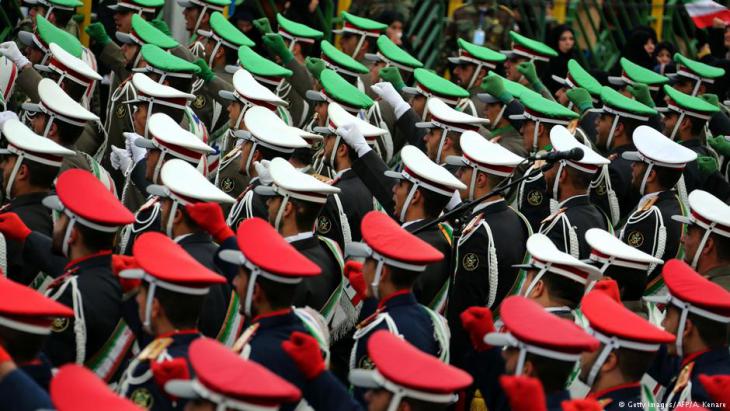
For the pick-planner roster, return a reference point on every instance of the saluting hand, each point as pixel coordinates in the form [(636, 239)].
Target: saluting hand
[(209, 216), (478, 322), (304, 350), (13, 227)]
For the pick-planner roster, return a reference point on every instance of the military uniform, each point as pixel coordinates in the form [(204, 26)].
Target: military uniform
[(342, 213), (720, 276), (37, 217), (481, 58)]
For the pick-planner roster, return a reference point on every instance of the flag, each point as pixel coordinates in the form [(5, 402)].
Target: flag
[(703, 12)]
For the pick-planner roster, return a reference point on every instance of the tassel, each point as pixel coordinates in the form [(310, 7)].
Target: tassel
[(478, 403)]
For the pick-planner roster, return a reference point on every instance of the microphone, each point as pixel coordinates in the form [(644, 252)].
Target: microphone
[(574, 154)]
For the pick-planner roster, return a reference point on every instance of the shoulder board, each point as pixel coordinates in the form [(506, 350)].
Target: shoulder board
[(245, 337), (151, 202), (232, 154), (154, 349), (323, 179), (649, 204), (684, 377), (368, 324), (474, 223), (552, 216)]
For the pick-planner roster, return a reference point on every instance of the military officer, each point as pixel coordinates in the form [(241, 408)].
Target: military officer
[(627, 265), (76, 388), (125, 9), (694, 77), (170, 302), (198, 15), (83, 238), (492, 241), (579, 77), (569, 181), (525, 51), (341, 216), (390, 270), (180, 184), (357, 33), (428, 84), (444, 127), (697, 314), (216, 367), (30, 164), (247, 92), (684, 122), (628, 347), (269, 270), (536, 344), (498, 94), (265, 137), (472, 65), (632, 73), (706, 235), (27, 318), (657, 166), (45, 33), (58, 11), (612, 190), (539, 115)]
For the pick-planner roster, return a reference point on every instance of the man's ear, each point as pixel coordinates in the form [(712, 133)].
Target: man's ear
[(22, 173)]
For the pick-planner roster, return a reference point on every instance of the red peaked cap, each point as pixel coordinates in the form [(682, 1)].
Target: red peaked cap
[(25, 305), (266, 248), (222, 371), (685, 284), (164, 259), (405, 365), (613, 319), (75, 388), (528, 321), (390, 240), (84, 195)]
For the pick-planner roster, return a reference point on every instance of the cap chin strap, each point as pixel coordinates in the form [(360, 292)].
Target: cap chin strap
[(153, 284), (642, 187), (537, 278), (249, 159), (171, 218), (158, 166), (507, 339), (696, 88), (200, 18), (610, 344), (67, 234), (705, 236), (676, 126), (442, 141), (359, 45), (11, 179), (381, 261), (215, 50), (556, 183), (609, 140), (280, 212), (500, 115), (407, 203), (147, 323), (335, 146), (255, 273), (475, 75), (534, 136), (473, 181)]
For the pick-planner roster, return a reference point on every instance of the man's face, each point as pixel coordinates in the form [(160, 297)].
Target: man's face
[(432, 139), (38, 123), (510, 356), (491, 112), (234, 112), (321, 109), (603, 128), (7, 162), (670, 120), (153, 155), (378, 399), (129, 50), (418, 102), (671, 325), (375, 71), (240, 283), (139, 117), (59, 230), (34, 54), (272, 204), (691, 241), (368, 274), (562, 97), (191, 17), (528, 130), (348, 43), (464, 175), (463, 74), (123, 20), (400, 192), (684, 85), (637, 174), (587, 359), (510, 68)]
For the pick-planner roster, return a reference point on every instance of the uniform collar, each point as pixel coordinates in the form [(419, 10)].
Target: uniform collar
[(719, 271), (299, 237), (695, 142), (175, 333), (707, 356), (401, 297), (412, 222), (579, 200), (179, 238), (489, 204), (199, 237), (27, 199), (341, 174), (629, 389), (622, 148), (501, 130), (274, 318), (101, 258)]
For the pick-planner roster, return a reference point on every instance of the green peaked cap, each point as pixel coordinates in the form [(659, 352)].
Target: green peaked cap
[(530, 48), (342, 91), (437, 85), (339, 61), (635, 73), (67, 3), (166, 62), (260, 66), (228, 32), (48, 33), (512, 87), (699, 69), (579, 77), (618, 104), (543, 108), (479, 52), (391, 52), (149, 34), (691, 105), (148, 3), (296, 30), (361, 23)]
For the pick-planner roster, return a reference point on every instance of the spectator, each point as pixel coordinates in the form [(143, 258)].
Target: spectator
[(562, 40), (639, 48), (664, 56), (396, 26)]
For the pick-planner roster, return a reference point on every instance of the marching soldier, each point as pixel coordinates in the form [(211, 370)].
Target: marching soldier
[(492, 241), (657, 166), (394, 258), (627, 265), (428, 84), (170, 302), (265, 137), (472, 65), (125, 9), (61, 12), (578, 77), (27, 319), (629, 344), (30, 164), (694, 77), (45, 33), (632, 73), (706, 236), (498, 94), (198, 16), (180, 185), (520, 63), (344, 65), (697, 314), (215, 368), (357, 33), (569, 183)]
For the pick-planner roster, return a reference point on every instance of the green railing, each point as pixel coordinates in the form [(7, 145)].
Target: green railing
[(426, 30), (679, 28)]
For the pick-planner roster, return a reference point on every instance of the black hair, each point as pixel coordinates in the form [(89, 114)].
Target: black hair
[(96, 240), (631, 282), (433, 203), (303, 155), (667, 177), (176, 114), (63, 16), (41, 175), (22, 346), (306, 213), (278, 295), (697, 126), (630, 124), (713, 333), (633, 364), (67, 132), (182, 310), (180, 83), (402, 279), (563, 289), (722, 245), (553, 374), (579, 179)]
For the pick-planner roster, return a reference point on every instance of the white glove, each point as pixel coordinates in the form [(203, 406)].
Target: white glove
[(5, 116), (10, 50), (354, 138), (262, 170), (136, 153), (120, 158), (388, 93)]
